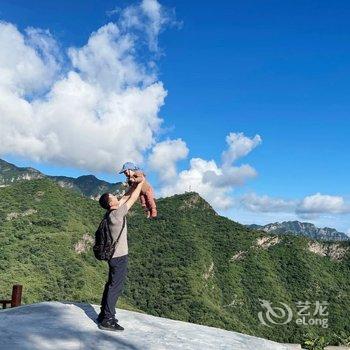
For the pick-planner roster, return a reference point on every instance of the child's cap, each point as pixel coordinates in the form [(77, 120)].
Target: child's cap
[(128, 166)]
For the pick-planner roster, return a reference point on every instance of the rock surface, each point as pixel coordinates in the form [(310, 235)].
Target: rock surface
[(66, 325)]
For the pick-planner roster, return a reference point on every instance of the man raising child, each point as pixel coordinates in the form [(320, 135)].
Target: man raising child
[(134, 176)]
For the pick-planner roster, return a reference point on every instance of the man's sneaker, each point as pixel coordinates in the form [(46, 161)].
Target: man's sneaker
[(100, 318), (110, 325)]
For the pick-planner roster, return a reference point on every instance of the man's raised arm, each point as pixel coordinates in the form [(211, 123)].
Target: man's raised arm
[(126, 196)]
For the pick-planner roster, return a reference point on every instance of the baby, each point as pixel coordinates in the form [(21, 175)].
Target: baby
[(134, 175)]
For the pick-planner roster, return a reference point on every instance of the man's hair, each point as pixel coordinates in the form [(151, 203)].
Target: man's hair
[(104, 201)]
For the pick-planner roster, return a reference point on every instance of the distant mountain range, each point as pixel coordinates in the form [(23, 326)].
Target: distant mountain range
[(92, 187), (88, 185), (302, 229)]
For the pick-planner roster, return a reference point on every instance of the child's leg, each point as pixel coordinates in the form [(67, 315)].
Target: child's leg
[(143, 201), (151, 203)]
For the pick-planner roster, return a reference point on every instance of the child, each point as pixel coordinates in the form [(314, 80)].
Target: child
[(134, 175)]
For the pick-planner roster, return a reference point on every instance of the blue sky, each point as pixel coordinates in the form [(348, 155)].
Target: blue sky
[(272, 68)]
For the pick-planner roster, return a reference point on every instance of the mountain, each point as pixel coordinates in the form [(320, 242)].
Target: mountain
[(65, 326), (191, 264), (88, 185), (302, 229), (9, 173)]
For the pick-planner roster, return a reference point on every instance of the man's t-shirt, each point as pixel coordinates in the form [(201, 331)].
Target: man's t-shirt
[(115, 221)]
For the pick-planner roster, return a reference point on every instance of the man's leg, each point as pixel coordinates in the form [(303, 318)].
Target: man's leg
[(114, 288), (104, 296)]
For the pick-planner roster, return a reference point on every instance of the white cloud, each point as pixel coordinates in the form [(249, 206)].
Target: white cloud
[(116, 10), (164, 156), (108, 60), (94, 113), (229, 176), (320, 203), (239, 146), (28, 62), (266, 204), (149, 17), (192, 180), (210, 180), (153, 10), (310, 207)]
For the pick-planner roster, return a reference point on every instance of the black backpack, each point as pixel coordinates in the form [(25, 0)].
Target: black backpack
[(104, 246)]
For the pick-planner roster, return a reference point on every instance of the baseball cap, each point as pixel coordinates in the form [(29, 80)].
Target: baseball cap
[(128, 166)]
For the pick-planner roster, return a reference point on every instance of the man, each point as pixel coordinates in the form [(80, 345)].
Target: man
[(118, 263)]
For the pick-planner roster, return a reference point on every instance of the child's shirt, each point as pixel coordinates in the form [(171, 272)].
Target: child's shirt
[(138, 177)]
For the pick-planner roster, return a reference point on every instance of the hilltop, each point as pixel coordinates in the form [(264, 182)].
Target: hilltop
[(191, 264)]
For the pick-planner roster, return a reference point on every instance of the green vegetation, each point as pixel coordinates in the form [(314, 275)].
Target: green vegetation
[(191, 264)]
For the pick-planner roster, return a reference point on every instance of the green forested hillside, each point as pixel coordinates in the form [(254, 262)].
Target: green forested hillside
[(191, 264), (40, 225)]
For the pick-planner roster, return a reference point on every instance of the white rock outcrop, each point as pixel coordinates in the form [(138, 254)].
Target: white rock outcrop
[(68, 326)]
